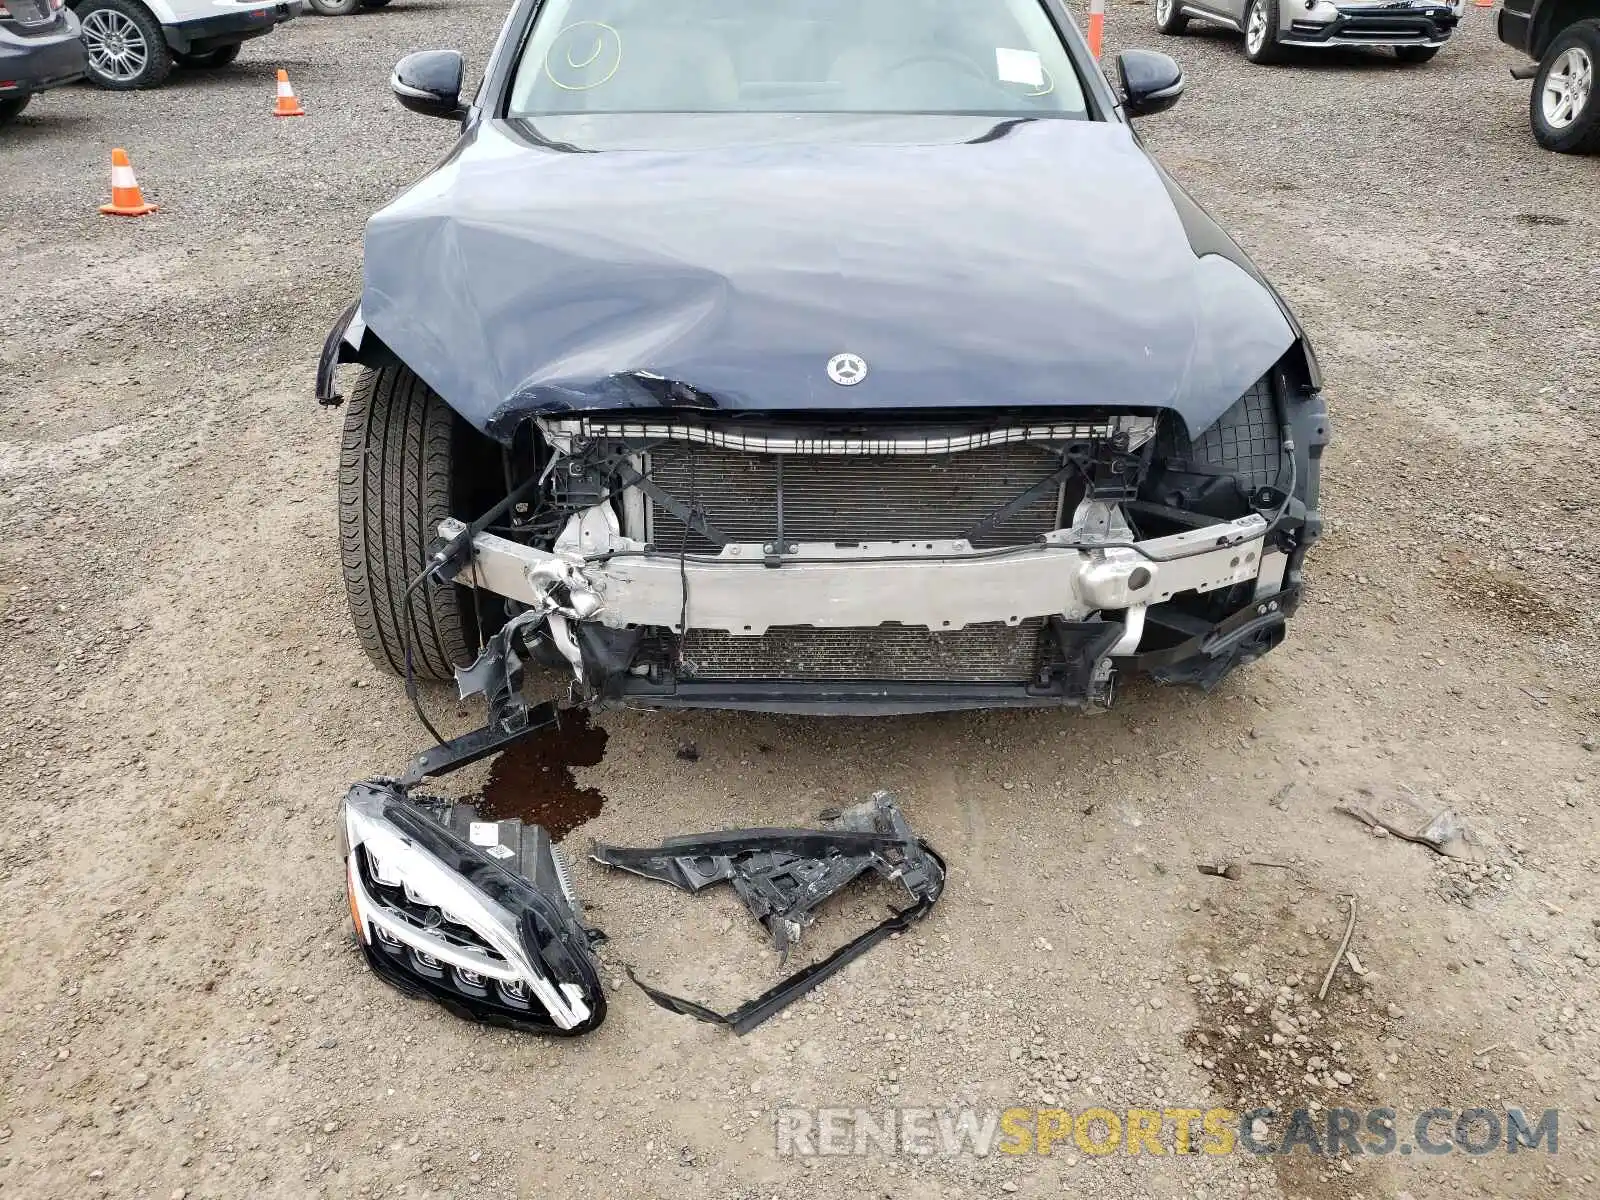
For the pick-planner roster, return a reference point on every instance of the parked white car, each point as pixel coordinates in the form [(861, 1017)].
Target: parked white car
[(1415, 30), (136, 43)]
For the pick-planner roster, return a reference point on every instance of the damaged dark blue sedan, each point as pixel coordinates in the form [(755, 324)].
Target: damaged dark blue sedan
[(816, 355)]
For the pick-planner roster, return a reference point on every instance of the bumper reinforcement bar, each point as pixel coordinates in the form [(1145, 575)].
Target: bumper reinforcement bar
[(934, 585)]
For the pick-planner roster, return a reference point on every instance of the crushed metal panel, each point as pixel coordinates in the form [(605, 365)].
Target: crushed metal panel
[(521, 279)]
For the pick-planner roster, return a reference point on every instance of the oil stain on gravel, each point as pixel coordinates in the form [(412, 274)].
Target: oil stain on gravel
[(533, 780), (1499, 596)]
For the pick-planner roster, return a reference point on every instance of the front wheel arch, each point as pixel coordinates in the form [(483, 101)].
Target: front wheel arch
[(1551, 20)]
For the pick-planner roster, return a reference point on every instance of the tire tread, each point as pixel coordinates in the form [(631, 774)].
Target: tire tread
[(396, 468)]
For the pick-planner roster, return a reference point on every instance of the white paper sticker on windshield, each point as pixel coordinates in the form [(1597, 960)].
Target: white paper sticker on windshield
[(484, 833), (1019, 66)]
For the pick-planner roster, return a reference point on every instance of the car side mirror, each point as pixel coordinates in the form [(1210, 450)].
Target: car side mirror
[(429, 82), (1151, 82)]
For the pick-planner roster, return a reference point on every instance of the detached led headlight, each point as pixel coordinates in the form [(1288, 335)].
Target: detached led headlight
[(478, 915)]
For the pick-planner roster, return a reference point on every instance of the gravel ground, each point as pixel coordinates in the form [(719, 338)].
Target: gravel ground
[(181, 1009)]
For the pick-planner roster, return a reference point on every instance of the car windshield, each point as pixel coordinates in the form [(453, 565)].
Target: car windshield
[(795, 56)]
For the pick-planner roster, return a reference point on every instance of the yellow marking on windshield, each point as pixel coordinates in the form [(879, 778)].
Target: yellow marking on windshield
[(567, 45), (599, 45)]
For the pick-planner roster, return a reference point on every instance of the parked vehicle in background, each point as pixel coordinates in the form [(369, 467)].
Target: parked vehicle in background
[(340, 8), (1563, 39), (1415, 30), (136, 43), (39, 49)]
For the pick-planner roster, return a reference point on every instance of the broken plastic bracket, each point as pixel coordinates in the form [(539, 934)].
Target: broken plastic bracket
[(496, 675), (774, 1000), (480, 743), (783, 876)]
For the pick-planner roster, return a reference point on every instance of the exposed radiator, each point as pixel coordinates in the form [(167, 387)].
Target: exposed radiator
[(847, 498), (988, 653)]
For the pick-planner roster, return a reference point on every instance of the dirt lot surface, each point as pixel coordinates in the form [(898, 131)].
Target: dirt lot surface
[(181, 1008)]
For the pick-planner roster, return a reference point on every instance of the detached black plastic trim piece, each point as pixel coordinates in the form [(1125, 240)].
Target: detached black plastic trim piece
[(778, 997), (783, 876), (327, 385)]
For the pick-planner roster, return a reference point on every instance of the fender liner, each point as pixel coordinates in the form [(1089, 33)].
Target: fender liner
[(350, 340)]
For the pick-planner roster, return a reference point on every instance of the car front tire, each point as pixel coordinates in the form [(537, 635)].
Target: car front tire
[(334, 8), (407, 461), (1562, 108), (125, 47), (1261, 33), (1170, 19)]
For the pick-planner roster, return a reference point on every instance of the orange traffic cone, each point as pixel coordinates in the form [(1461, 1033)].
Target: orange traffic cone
[(1483, 3), (126, 198), (1097, 25), (288, 106)]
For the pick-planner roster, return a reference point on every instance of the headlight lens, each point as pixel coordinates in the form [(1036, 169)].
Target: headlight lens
[(488, 930)]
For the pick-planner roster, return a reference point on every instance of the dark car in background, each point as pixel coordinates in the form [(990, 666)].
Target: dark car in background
[(1563, 39), (870, 366), (40, 48)]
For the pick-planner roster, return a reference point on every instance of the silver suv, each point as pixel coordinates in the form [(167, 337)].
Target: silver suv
[(1415, 29)]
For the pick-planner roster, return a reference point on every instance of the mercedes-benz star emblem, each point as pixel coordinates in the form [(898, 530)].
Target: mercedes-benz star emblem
[(847, 370)]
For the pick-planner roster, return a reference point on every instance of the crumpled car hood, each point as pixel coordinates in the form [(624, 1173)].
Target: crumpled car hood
[(1040, 264)]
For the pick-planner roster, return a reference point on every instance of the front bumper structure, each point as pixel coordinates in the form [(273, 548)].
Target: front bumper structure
[(1386, 25), (1092, 584)]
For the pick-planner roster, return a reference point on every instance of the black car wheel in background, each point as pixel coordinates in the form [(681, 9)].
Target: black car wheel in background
[(1170, 18), (1261, 33), (1562, 107), (211, 59)]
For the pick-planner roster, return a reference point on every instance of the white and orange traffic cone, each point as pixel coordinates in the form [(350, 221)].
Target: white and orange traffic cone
[(1097, 26), (288, 105), (126, 198)]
